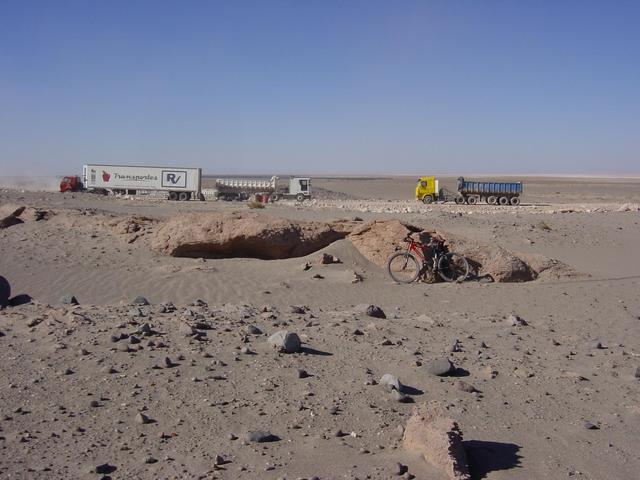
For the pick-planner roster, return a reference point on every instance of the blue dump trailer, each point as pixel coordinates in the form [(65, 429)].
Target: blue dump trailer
[(494, 193)]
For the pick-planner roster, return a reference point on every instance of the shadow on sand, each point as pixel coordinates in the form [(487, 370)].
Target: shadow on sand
[(485, 457)]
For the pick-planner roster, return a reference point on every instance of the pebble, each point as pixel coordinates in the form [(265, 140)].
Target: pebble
[(516, 321), (149, 459), (302, 373), (259, 436), (142, 419), (466, 387), (591, 426), (69, 300)]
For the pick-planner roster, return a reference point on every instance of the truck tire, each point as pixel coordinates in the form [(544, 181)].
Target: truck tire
[(173, 195), (300, 197), (472, 200), (459, 200), (515, 201), (184, 196), (492, 200), (427, 199), (503, 201), (275, 197)]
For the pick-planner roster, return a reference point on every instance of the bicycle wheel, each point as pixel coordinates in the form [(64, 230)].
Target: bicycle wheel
[(453, 267), (403, 267)]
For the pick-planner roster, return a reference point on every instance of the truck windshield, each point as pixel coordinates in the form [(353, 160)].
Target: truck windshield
[(304, 185)]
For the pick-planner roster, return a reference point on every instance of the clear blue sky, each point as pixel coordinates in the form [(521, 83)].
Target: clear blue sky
[(321, 87)]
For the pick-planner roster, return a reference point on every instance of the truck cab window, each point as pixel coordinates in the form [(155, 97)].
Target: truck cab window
[(304, 185)]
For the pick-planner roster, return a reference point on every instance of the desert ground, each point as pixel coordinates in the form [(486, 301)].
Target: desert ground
[(178, 384)]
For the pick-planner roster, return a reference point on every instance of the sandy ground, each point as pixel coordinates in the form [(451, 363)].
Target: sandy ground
[(574, 362)]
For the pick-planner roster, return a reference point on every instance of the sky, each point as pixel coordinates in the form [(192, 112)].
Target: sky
[(321, 87)]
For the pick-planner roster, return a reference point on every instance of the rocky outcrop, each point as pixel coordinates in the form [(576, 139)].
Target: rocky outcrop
[(437, 439), (216, 235), (377, 240)]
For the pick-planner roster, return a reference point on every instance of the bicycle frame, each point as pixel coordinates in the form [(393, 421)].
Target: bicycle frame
[(419, 248)]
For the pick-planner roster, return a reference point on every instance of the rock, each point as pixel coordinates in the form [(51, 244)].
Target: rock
[(260, 436), (437, 439), (637, 373), (306, 266), (69, 300), (390, 382), (253, 330), (284, 341), (302, 373), (400, 397), (377, 240), (94, 404), (297, 309), (140, 301), (466, 387), (168, 362), (370, 310), (598, 345), (328, 259), (219, 460), (219, 235), (440, 367), (145, 329), (142, 419), (149, 459), (398, 469), (516, 321), (591, 426), (185, 329), (356, 277), (12, 218)]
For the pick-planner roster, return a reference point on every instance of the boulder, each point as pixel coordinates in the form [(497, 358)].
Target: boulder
[(247, 234), (437, 439)]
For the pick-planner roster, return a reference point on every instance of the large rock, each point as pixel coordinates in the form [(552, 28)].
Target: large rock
[(284, 341), (437, 439), (216, 235), (377, 240), (12, 218)]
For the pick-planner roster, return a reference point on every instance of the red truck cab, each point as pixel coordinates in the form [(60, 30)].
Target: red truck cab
[(70, 184)]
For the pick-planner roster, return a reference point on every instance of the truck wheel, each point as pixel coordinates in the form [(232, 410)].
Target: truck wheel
[(492, 200), (173, 195), (300, 197), (459, 200), (515, 201), (503, 201), (275, 197), (427, 199), (183, 196), (472, 200)]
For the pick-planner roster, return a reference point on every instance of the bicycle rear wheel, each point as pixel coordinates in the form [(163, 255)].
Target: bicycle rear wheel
[(453, 267), (403, 267)]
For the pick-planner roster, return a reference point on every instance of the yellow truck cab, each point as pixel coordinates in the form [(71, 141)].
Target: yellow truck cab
[(427, 189)]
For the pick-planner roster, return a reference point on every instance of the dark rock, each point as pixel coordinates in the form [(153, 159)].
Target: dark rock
[(260, 436), (371, 310), (140, 301)]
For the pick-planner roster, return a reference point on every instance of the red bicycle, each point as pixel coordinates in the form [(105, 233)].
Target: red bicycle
[(406, 266)]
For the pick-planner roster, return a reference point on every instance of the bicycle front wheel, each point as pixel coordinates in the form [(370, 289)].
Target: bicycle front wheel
[(403, 267), (453, 267)]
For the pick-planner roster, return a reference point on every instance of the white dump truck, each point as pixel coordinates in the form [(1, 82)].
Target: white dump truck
[(243, 188), (180, 183)]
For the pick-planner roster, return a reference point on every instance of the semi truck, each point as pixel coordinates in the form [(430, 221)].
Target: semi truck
[(243, 188), (470, 192), (180, 183)]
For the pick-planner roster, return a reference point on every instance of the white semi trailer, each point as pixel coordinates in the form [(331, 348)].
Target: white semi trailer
[(180, 183), (242, 188)]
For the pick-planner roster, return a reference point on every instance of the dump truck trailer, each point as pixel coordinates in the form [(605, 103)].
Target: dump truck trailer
[(494, 193), (180, 183), (243, 188)]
